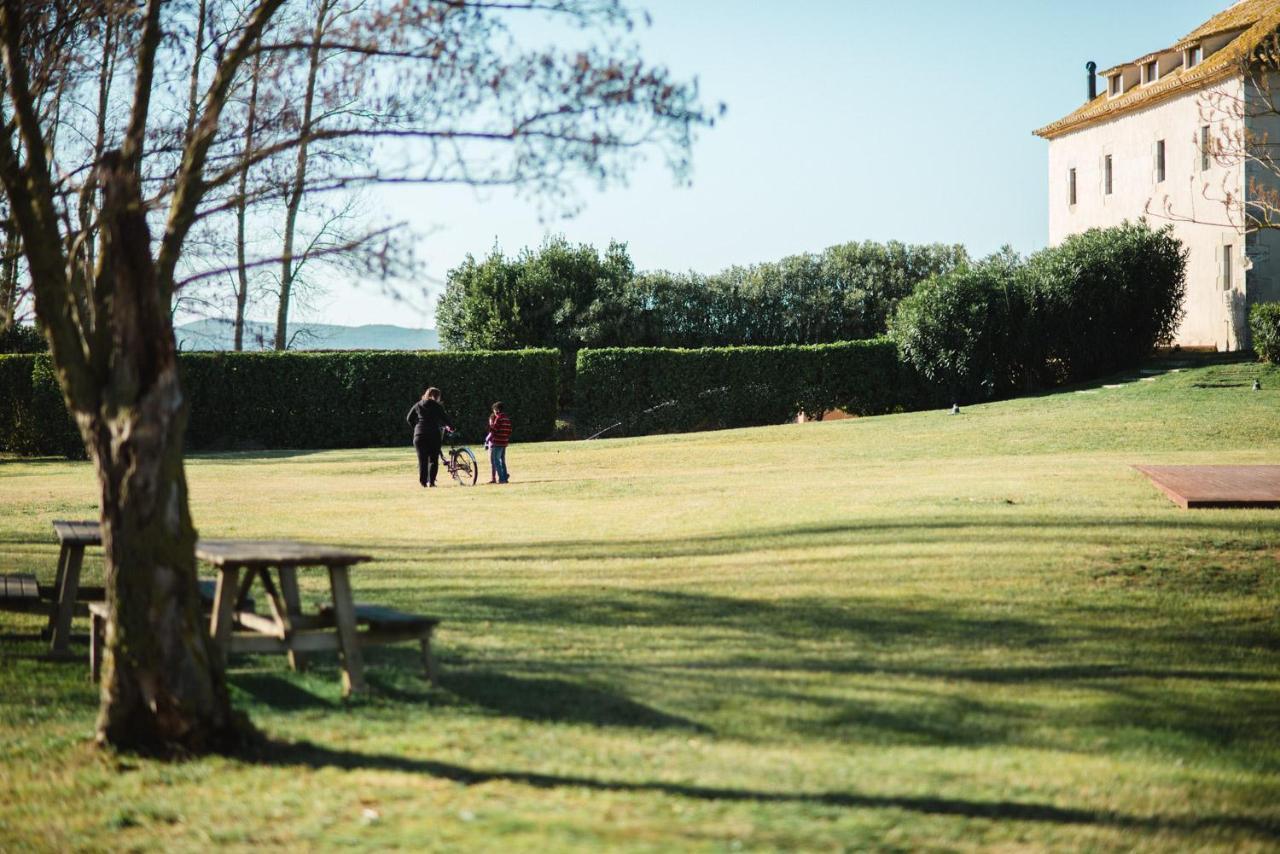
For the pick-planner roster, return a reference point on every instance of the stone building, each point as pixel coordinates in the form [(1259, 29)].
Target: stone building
[(1169, 135)]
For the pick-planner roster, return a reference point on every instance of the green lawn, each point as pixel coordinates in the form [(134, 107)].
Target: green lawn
[(915, 631)]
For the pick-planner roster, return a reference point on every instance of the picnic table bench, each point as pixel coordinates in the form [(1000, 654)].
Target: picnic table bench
[(287, 629), (66, 598), (235, 626)]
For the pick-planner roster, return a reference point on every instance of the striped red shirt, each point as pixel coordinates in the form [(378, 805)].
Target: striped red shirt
[(499, 430)]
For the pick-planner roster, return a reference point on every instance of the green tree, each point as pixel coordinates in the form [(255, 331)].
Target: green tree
[(558, 295)]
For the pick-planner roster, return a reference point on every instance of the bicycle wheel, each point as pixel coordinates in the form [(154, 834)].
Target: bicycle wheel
[(463, 466)]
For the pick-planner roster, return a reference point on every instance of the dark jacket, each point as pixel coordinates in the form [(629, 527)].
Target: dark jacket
[(428, 419)]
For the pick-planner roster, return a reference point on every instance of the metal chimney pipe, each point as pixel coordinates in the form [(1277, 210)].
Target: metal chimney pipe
[(1092, 68)]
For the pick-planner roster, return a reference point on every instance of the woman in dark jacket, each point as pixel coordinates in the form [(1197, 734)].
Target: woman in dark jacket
[(429, 420)]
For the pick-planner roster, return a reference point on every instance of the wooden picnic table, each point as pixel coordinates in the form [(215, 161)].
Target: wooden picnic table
[(67, 597), (287, 629), (234, 625)]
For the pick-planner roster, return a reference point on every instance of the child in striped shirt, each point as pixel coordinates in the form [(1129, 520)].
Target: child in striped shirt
[(499, 438)]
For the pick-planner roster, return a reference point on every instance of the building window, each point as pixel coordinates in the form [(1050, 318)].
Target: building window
[(1226, 267), (1159, 161), (1114, 84), (1106, 175), (1151, 72), (1205, 146), (1071, 187), (1194, 55)]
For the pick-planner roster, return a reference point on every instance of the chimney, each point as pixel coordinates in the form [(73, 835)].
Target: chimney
[(1092, 68)]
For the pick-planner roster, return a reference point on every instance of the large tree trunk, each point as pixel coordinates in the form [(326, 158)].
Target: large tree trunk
[(162, 691), (161, 688)]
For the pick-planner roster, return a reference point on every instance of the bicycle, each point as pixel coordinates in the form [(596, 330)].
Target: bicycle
[(461, 463)]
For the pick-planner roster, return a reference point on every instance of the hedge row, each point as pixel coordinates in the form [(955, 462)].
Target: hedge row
[(303, 400), (641, 390)]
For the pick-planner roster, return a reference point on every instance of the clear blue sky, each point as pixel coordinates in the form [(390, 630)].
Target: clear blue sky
[(847, 120)]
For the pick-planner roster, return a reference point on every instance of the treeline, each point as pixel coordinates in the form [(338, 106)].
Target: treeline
[(573, 297)]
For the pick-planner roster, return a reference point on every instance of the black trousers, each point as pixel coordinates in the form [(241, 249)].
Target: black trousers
[(428, 448)]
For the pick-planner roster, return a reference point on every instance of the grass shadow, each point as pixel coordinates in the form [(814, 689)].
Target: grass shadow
[(278, 692), (308, 755), (545, 699)]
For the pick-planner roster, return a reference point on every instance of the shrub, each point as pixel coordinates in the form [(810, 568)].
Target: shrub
[(1264, 327), (656, 390), (1106, 298), (1098, 303), (960, 330)]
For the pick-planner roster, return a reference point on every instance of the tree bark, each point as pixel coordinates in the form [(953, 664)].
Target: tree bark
[(162, 690), (242, 204)]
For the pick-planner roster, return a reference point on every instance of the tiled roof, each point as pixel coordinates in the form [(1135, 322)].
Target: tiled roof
[(1246, 13), (1261, 17)]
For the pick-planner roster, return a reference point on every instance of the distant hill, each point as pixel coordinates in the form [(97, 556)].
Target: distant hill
[(218, 335)]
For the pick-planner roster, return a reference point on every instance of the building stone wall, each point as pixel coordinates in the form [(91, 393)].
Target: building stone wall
[(1189, 198)]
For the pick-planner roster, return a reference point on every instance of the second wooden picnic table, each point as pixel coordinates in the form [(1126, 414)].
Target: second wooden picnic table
[(287, 629)]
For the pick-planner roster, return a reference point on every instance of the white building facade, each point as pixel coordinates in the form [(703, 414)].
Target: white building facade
[(1150, 143)]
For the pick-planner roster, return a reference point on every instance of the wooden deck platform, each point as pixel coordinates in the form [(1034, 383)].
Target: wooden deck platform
[(1192, 487)]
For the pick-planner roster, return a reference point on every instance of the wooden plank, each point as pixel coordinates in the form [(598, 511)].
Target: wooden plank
[(292, 608), (268, 626), (97, 638), (19, 587), (67, 598), (85, 532), (260, 554), (383, 616), (345, 617), (224, 603), (64, 555), (1192, 487), (308, 641)]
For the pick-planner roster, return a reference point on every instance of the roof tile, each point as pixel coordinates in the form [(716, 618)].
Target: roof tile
[(1261, 17)]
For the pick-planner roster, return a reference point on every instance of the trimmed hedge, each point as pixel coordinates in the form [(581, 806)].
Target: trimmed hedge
[(304, 400), (1264, 327), (21, 338), (33, 419), (658, 390), (16, 430)]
